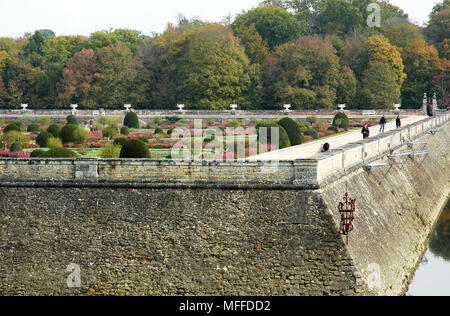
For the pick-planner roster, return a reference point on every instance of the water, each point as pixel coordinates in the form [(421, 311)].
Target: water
[(432, 277)]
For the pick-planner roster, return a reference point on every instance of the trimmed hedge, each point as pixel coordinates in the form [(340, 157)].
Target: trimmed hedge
[(19, 124), (54, 129), (283, 136), (16, 146), (43, 138), (341, 120), (67, 133), (34, 128), (11, 127), (110, 131), (333, 128), (71, 119), (120, 141), (125, 130), (293, 130), (59, 152), (131, 120), (313, 133), (134, 148), (36, 153)]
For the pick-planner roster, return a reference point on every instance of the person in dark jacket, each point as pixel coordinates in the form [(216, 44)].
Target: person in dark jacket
[(382, 124), (365, 131), (398, 122)]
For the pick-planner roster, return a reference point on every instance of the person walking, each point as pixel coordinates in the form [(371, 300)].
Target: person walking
[(382, 124), (398, 122), (365, 131)]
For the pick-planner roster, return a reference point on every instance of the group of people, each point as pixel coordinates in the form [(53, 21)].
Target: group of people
[(365, 130)]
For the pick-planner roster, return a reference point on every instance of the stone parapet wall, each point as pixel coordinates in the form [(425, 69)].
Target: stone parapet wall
[(303, 173)]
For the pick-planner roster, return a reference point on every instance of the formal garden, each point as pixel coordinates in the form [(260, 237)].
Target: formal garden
[(162, 138)]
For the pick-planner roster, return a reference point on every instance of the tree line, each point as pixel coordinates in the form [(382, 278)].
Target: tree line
[(312, 54)]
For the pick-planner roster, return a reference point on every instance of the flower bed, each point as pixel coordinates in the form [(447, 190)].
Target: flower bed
[(14, 154)]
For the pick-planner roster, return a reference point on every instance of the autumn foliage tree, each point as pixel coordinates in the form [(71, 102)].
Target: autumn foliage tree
[(303, 74), (81, 82)]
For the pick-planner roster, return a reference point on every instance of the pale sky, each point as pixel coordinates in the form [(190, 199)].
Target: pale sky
[(83, 17)]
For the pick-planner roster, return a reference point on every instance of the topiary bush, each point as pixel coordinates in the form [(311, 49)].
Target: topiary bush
[(131, 120), (110, 131), (110, 151), (144, 139), (333, 128), (54, 143), (283, 136), (59, 152), (36, 153), (234, 123), (125, 130), (81, 135), (311, 119), (19, 124), (159, 130), (71, 119), (134, 148), (34, 128), (341, 120), (43, 138), (67, 133), (54, 129), (11, 127), (293, 130), (120, 141), (16, 147), (313, 133)]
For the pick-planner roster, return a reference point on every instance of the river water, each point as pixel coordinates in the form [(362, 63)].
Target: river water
[(432, 277)]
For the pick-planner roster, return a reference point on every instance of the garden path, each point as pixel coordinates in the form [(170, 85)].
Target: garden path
[(310, 149)]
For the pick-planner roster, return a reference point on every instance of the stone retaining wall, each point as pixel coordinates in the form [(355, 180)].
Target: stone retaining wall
[(263, 229)]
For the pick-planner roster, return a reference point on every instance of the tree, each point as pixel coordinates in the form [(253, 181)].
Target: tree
[(402, 35), (303, 74), (200, 66), (18, 78), (422, 65), (347, 86), (129, 38), (275, 25), (118, 75), (255, 48), (338, 17), (33, 51), (81, 81), (438, 28), (380, 50), (439, 7), (380, 89)]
